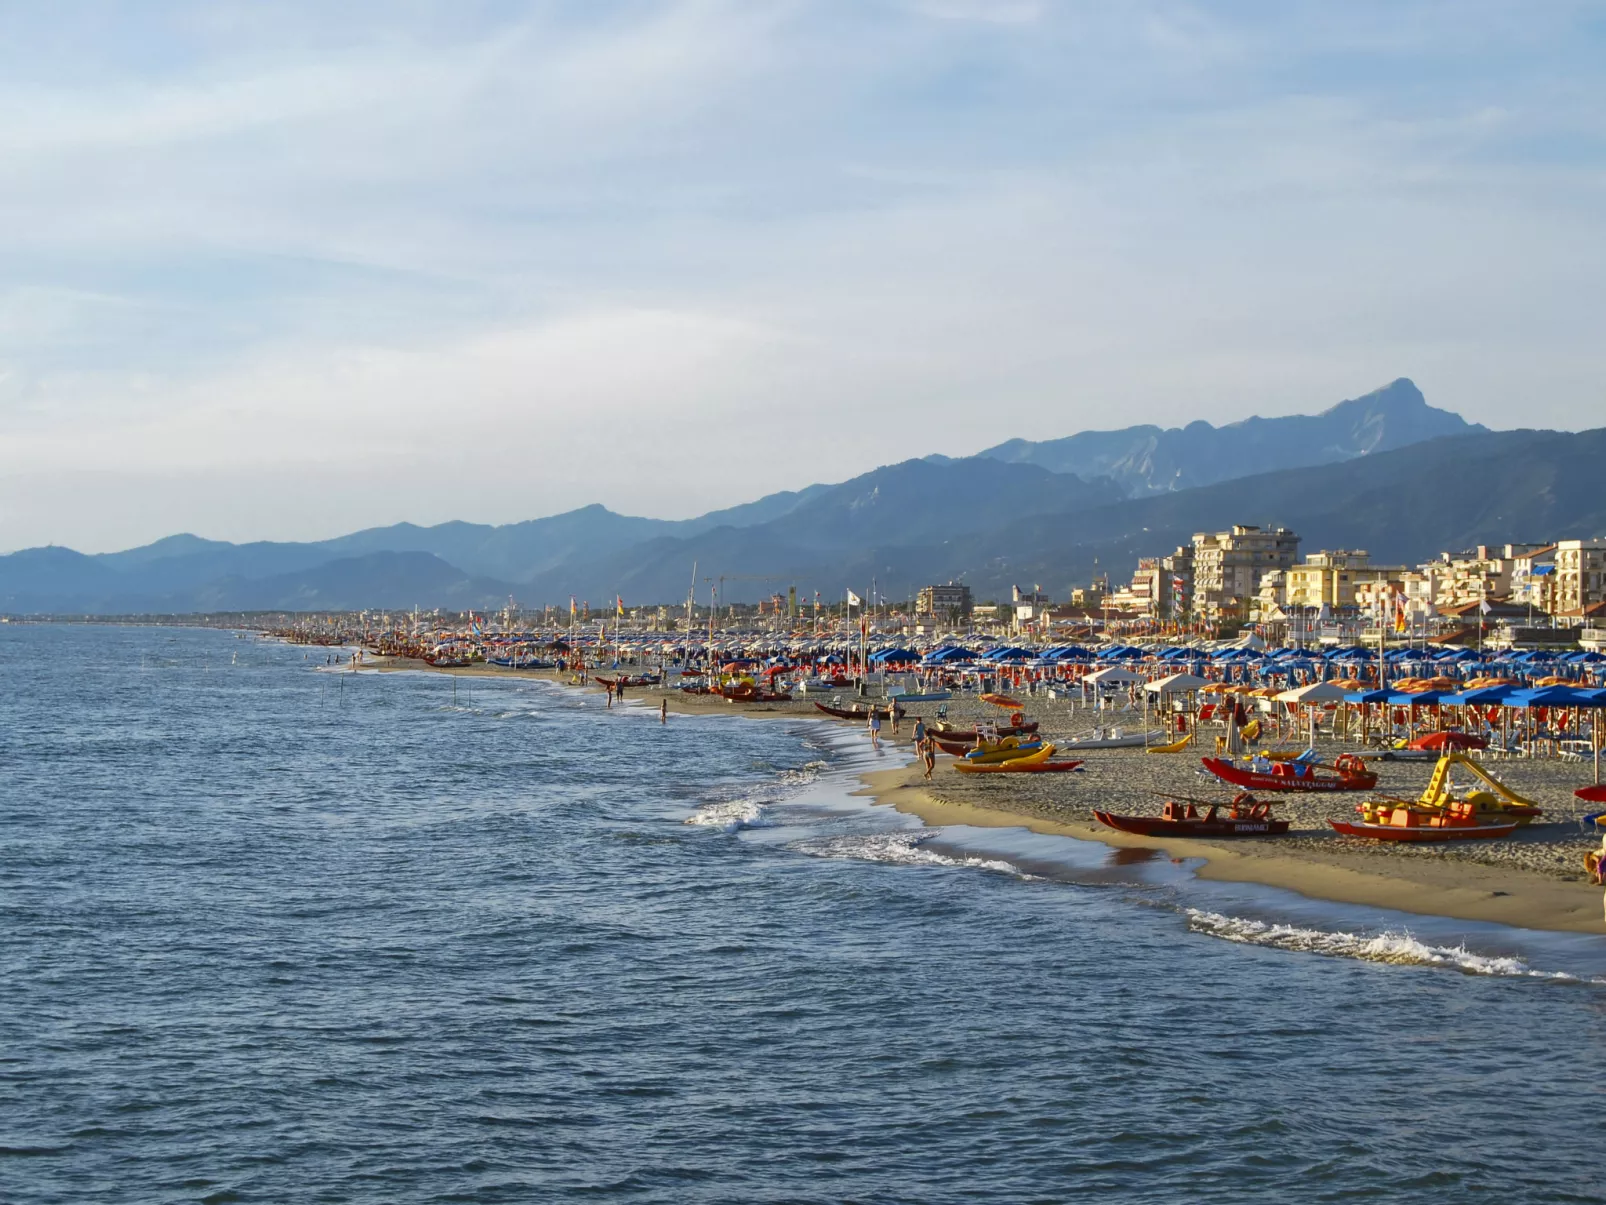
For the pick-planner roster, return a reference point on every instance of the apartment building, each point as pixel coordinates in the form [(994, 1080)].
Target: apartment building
[(1580, 576), (1228, 567)]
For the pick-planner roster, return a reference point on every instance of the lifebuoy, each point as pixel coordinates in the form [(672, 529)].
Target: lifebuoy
[(1016, 717)]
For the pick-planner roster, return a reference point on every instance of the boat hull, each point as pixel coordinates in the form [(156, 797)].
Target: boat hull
[(847, 713), (969, 734), (1591, 794), (1254, 780), (1159, 826), (1019, 767), (1135, 741), (1391, 832), (988, 757)]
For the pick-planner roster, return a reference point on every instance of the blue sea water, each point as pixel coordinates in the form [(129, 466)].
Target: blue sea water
[(274, 934)]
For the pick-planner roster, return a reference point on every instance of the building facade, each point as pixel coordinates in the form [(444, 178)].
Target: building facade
[(1580, 576), (952, 601), (1228, 567)]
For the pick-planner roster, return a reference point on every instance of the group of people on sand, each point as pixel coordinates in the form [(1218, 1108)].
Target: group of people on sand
[(925, 746)]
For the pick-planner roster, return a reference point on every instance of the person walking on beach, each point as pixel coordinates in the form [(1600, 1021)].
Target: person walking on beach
[(920, 731), (875, 728), (928, 754), (895, 714), (663, 711), (608, 686)]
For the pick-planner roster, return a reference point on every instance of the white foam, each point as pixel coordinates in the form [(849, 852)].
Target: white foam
[(898, 849), (803, 775), (731, 815), (1399, 948)]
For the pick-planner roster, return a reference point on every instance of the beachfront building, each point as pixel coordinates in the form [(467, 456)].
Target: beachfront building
[(1533, 576), (1328, 579), (1160, 587), (1228, 567), (951, 602), (1030, 606), (1580, 576)]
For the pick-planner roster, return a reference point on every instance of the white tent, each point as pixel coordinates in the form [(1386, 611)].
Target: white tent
[(1113, 675), (1311, 696), (1176, 684), (1316, 692)]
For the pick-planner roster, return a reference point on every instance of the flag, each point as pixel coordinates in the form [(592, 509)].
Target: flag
[(1484, 608), (571, 607), (1399, 613), (619, 605), (854, 600)]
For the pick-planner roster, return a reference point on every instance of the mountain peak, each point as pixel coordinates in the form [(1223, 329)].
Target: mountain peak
[(1151, 460)]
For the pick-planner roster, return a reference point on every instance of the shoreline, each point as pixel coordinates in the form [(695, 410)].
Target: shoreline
[(1457, 891), (1424, 881)]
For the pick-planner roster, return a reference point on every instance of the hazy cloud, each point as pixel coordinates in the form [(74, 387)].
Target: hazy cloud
[(278, 271)]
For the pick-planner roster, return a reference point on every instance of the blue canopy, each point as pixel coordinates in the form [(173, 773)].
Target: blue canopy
[(1368, 696), (1421, 698), (1556, 696), (885, 655), (1483, 696)]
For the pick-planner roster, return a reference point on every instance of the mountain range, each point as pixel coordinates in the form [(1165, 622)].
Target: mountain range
[(1385, 472)]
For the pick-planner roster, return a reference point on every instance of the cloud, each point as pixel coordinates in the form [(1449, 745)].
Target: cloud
[(387, 266)]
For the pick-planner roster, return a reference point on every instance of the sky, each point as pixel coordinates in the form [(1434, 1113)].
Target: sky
[(285, 271)]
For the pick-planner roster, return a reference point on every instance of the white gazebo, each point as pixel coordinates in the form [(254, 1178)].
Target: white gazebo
[(1313, 696), (1177, 684)]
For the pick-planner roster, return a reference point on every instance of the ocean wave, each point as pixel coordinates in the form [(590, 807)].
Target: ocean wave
[(1399, 948), (802, 776), (731, 815), (898, 849)]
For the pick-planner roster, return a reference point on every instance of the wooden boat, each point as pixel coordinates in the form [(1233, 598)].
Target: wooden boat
[(998, 700), (856, 712), (947, 733), (1025, 765), (1419, 826), (1347, 773), (747, 693), (1246, 817)]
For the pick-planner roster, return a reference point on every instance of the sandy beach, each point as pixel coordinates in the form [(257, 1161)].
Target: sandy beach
[(1534, 879)]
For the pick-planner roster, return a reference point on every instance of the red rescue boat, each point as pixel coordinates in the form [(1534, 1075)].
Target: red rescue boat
[(1347, 773), (1246, 817), (1595, 794)]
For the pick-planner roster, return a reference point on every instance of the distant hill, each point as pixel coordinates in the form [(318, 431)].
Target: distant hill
[(1403, 507), (988, 521), (1148, 460), (392, 580)]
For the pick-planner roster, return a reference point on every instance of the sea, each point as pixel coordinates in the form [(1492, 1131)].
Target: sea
[(276, 931)]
